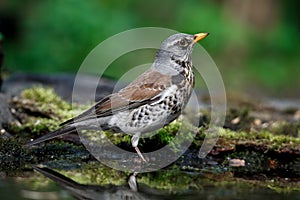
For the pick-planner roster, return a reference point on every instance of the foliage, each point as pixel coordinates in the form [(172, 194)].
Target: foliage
[(55, 36)]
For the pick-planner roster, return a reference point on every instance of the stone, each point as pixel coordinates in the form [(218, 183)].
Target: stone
[(1, 59), (5, 115), (63, 85)]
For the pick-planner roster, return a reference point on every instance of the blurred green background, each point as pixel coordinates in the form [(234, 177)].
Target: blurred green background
[(255, 43)]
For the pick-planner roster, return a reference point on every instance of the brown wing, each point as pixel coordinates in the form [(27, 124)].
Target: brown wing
[(141, 91)]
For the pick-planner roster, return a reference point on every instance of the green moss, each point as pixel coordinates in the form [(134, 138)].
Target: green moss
[(35, 126), (41, 95), (167, 134), (286, 128), (263, 137), (45, 102), (97, 173), (41, 110), (118, 138), (283, 187)]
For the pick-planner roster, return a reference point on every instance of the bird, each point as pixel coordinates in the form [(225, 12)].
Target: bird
[(153, 100)]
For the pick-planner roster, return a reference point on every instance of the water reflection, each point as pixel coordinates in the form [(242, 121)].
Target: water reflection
[(109, 192), (206, 190)]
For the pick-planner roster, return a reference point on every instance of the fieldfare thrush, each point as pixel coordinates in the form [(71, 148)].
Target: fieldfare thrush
[(152, 100)]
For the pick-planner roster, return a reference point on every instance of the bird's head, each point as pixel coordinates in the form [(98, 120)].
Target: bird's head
[(178, 47)]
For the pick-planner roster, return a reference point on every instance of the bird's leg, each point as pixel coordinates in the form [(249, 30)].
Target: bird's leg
[(132, 182), (134, 142)]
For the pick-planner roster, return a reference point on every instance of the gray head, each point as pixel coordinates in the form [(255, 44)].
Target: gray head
[(178, 48)]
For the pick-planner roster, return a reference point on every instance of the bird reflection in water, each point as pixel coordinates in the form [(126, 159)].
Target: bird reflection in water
[(81, 191)]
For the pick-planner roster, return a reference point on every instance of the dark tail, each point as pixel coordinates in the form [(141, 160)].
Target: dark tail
[(57, 177), (51, 135)]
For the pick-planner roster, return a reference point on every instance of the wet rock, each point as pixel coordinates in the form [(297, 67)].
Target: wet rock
[(284, 105), (12, 155), (1, 59), (63, 85), (5, 116)]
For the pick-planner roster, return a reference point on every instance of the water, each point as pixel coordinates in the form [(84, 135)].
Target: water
[(33, 186)]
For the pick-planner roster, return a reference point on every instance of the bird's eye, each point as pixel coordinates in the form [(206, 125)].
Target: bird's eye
[(183, 42)]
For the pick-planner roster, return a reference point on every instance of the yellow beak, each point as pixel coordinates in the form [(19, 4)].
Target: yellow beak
[(199, 36)]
